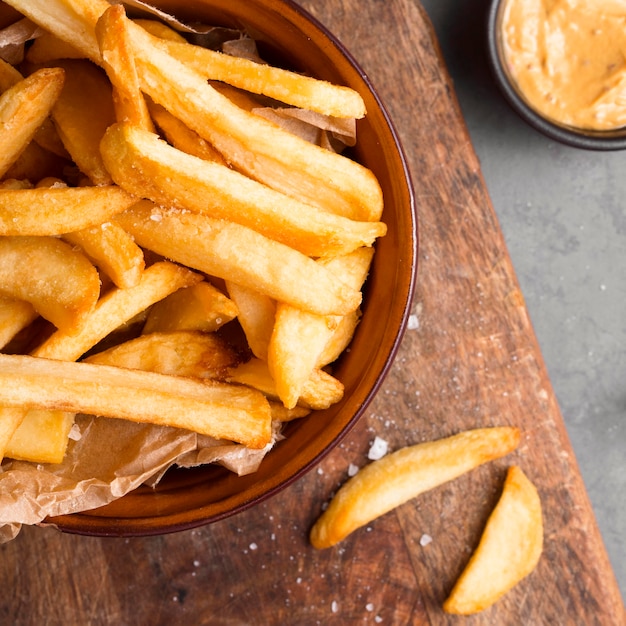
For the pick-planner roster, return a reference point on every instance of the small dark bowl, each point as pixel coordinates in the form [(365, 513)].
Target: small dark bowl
[(577, 137), (187, 498)]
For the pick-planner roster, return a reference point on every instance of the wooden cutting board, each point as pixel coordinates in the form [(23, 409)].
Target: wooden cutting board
[(472, 360)]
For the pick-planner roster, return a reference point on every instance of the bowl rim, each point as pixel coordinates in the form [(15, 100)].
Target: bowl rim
[(85, 523), (569, 135)]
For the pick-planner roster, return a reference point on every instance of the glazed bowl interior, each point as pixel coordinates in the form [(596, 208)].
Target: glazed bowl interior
[(602, 140), (186, 498)]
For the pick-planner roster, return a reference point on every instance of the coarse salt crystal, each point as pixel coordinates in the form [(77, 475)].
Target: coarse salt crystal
[(413, 323), (425, 539), (334, 607), (353, 469), (378, 449)]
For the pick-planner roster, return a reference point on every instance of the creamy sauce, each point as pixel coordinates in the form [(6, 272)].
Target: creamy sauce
[(568, 58)]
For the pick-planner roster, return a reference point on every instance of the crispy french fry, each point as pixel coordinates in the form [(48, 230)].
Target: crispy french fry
[(9, 75), (15, 315), (340, 339), (148, 167), (299, 337), (182, 137), (58, 210), (47, 48), (238, 254), (404, 474), (179, 353), (117, 307), (285, 86), (282, 414), (113, 250), (60, 283), (199, 307), (256, 317), (82, 113), (35, 163), (320, 391), (119, 63), (23, 108), (509, 548), (218, 410), (41, 438), (160, 30)]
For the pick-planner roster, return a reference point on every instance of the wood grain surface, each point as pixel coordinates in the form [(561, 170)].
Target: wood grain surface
[(472, 361)]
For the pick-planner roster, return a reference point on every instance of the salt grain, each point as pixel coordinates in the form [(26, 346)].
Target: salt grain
[(413, 323), (353, 469), (378, 449), (334, 607), (425, 540)]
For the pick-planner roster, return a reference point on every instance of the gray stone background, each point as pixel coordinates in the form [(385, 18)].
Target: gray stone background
[(563, 214)]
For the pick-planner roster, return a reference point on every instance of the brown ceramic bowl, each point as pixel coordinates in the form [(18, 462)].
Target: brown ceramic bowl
[(188, 498)]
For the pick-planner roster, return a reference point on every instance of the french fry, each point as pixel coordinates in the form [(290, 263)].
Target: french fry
[(58, 210), (48, 48), (282, 414), (182, 137), (340, 339), (508, 551), (43, 437), (9, 75), (285, 86), (60, 283), (119, 63), (319, 392), (218, 410), (117, 307), (199, 307), (256, 317), (82, 113), (15, 315), (35, 163), (23, 108), (404, 474), (236, 253), (179, 353), (113, 250), (159, 29), (148, 167), (299, 338)]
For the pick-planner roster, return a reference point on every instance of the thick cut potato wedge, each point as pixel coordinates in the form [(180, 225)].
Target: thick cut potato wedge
[(23, 109), (148, 167), (180, 353), (60, 283), (223, 411), (400, 476), (55, 211), (509, 548), (240, 255), (200, 307)]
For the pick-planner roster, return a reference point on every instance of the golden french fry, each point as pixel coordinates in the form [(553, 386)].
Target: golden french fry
[(9, 75), (117, 307), (48, 138), (281, 414), (119, 63), (240, 255), (199, 307), (15, 315), (60, 283), (113, 250), (404, 474), (82, 113), (35, 163), (148, 167), (218, 410), (340, 339), (319, 392), (42, 438), (182, 137), (159, 29), (23, 109), (509, 549), (179, 353), (285, 86), (256, 313), (47, 48), (299, 337), (58, 210)]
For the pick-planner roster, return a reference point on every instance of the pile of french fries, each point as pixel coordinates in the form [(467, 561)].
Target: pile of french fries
[(146, 208)]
